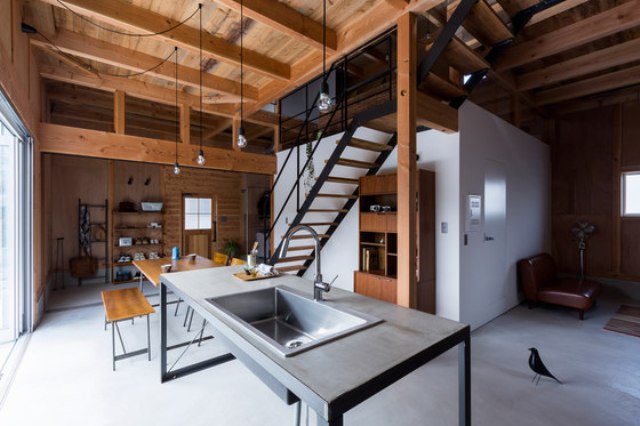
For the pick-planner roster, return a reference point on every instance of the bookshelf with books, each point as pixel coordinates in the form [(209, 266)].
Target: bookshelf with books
[(378, 254)]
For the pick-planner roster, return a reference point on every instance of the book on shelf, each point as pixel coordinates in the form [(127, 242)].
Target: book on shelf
[(369, 259)]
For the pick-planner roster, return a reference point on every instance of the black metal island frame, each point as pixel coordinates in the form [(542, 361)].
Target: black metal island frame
[(335, 377)]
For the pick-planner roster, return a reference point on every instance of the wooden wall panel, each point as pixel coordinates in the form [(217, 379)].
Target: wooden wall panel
[(582, 187), (227, 186), (71, 178), (137, 191), (630, 259), (631, 136)]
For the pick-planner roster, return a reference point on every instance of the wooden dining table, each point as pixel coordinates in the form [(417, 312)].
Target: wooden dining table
[(152, 268)]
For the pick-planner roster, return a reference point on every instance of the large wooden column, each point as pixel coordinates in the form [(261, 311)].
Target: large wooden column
[(407, 68)]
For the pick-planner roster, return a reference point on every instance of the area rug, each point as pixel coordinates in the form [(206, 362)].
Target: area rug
[(626, 320)]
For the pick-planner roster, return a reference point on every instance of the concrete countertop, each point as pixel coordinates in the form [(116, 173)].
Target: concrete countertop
[(338, 375)]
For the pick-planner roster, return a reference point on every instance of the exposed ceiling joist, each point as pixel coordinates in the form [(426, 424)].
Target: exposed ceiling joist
[(284, 19), (124, 14), (373, 22), (554, 10), (512, 7), (127, 59), (599, 60), (612, 21), (610, 81)]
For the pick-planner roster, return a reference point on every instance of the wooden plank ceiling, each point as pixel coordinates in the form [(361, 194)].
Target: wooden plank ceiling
[(565, 56)]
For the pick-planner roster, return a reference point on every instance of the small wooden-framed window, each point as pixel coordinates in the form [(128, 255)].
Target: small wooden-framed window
[(631, 193), (197, 213)]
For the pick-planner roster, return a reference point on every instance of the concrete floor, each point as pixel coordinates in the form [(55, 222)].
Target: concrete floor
[(65, 378)]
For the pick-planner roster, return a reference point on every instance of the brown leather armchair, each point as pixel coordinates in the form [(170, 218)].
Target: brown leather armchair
[(539, 282)]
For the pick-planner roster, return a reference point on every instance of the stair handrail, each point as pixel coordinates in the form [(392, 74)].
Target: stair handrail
[(296, 184)]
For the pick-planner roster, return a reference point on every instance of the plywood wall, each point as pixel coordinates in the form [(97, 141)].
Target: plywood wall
[(70, 179), (227, 187), (589, 151)]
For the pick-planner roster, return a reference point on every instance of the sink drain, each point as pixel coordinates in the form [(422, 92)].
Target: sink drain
[(294, 344)]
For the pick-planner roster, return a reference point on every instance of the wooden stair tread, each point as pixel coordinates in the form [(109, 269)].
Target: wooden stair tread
[(386, 124), (356, 163), (366, 145), (338, 179), (484, 23), (308, 236), (441, 88), (291, 268), (460, 56), (351, 197), (300, 248), (294, 259), (320, 223), (327, 211)]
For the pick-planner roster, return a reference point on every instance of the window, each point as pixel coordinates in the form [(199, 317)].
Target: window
[(631, 194), (197, 213)]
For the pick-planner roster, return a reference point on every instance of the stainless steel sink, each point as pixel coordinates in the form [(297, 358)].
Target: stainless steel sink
[(290, 321)]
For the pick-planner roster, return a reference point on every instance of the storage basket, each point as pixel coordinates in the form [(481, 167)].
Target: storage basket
[(83, 266)]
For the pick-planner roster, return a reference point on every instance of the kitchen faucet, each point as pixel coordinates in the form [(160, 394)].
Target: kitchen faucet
[(318, 285)]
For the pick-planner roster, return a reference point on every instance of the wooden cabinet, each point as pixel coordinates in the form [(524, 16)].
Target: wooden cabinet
[(376, 276)]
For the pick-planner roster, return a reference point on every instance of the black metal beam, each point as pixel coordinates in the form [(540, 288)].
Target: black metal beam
[(444, 38)]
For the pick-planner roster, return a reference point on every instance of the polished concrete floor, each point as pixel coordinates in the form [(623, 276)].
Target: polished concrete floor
[(65, 378)]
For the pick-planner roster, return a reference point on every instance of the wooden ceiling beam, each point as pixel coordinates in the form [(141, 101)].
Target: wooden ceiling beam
[(135, 88), (610, 81), (56, 139), (435, 114), (284, 19), (111, 54), (612, 21), (554, 10), (512, 7), (599, 60), (375, 21), (125, 15)]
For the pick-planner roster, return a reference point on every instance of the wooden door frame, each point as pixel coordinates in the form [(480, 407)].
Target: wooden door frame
[(214, 218)]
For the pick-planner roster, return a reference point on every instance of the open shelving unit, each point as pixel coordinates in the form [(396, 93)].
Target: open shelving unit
[(378, 239), (136, 226)]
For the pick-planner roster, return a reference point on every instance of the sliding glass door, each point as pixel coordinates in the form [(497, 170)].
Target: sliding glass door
[(15, 227)]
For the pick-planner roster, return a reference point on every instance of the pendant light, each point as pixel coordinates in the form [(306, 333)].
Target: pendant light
[(176, 167), (201, 160), (324, 101), (242, 140)]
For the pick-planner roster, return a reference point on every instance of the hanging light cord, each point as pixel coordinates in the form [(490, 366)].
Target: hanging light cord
[(177, 113), (241, 61), (201, 70), (102, 27), (324, 39)]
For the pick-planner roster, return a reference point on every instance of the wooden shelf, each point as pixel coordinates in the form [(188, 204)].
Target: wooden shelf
[(135, 228), (122, 263), (381, 282), (363, 243), (138, 212)]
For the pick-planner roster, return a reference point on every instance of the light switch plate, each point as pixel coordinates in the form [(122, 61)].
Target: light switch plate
[(444, 227)]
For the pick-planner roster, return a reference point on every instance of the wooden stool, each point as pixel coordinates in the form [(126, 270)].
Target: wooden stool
[(122, 305)]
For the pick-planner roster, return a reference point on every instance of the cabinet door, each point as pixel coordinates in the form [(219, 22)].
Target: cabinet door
[(373, 222), (376, 286), (379, 184)]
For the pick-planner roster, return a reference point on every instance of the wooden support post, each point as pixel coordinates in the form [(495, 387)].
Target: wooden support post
[(119, 98), (185, 124), (407, 66)]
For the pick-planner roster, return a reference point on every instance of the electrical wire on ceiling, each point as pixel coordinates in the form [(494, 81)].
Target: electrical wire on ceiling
[(87, 66), (151, 34)]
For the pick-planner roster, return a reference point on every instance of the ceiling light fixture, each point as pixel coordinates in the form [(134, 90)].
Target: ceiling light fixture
[(176, 167), (324, 101), (242, 139), (201, 159)]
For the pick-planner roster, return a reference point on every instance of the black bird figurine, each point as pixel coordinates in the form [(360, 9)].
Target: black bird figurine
[(538, 367)]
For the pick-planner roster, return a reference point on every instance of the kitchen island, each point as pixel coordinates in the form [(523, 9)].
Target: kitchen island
[(334, 377)]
